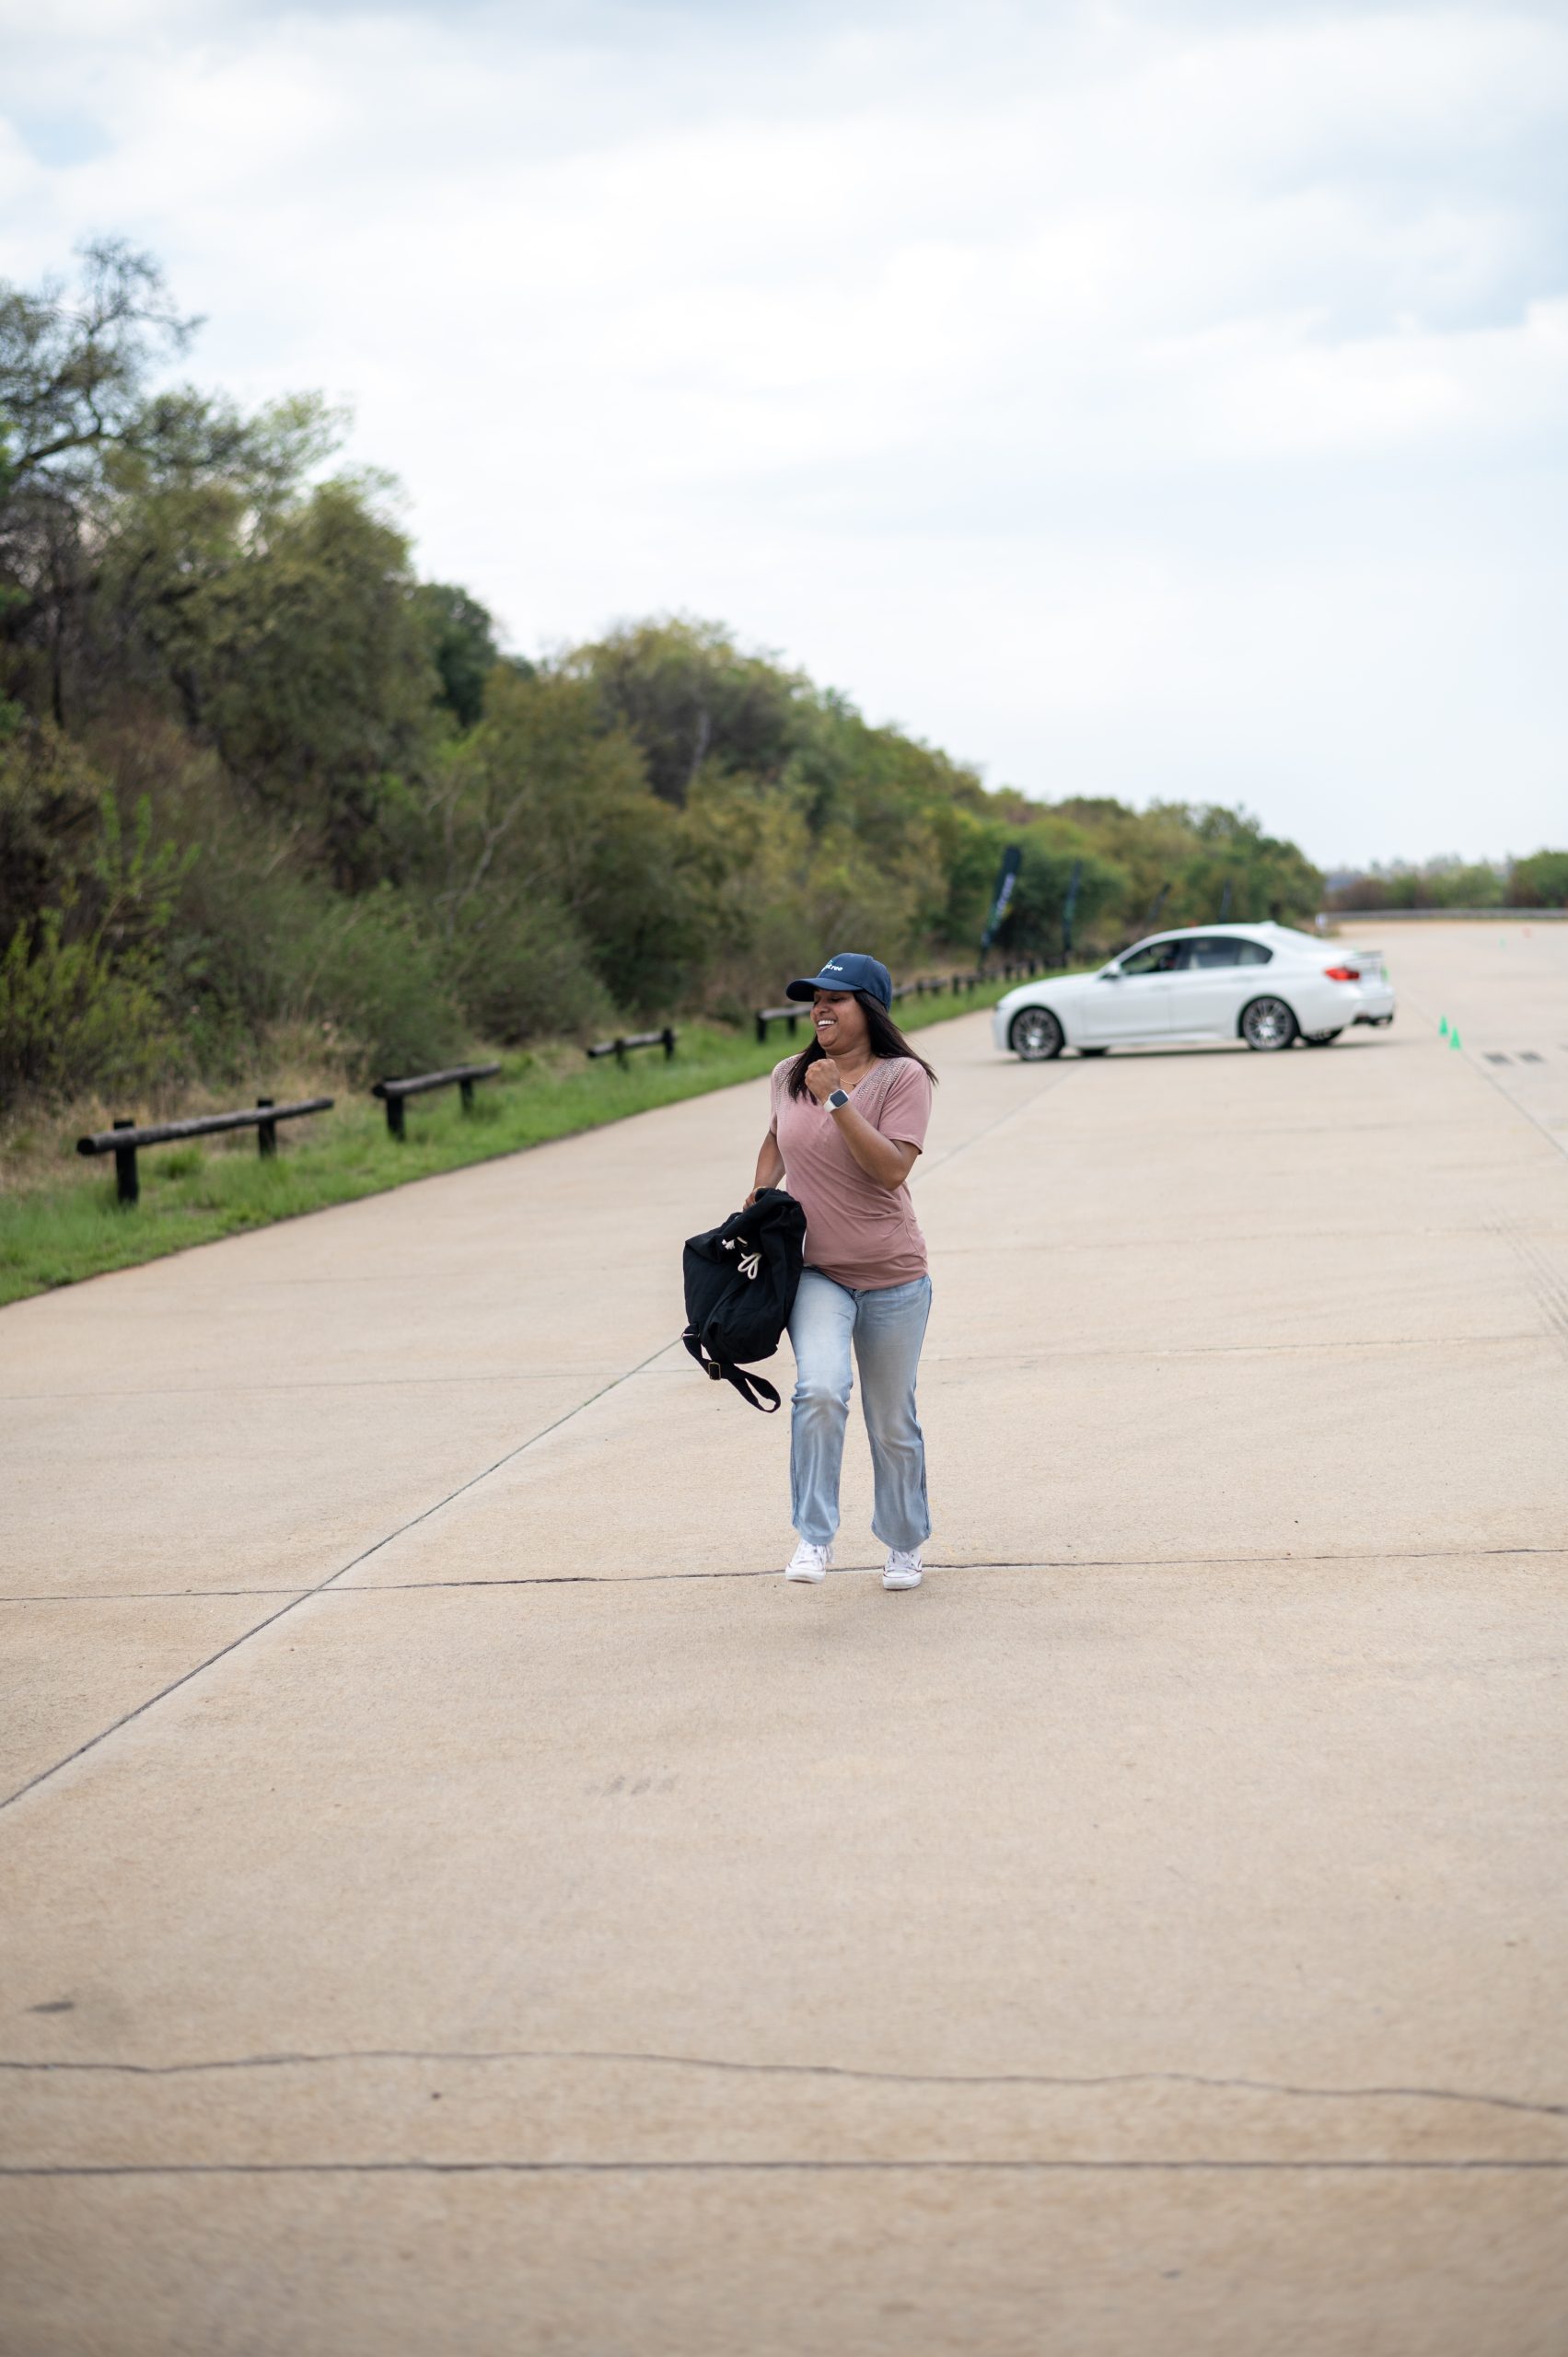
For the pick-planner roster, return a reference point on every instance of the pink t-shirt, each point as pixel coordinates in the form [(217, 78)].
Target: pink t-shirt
[(857, 1233)]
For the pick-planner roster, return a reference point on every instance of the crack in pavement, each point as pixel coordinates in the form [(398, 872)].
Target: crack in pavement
[(711, 2168), (770, 1570), (844, 2071)]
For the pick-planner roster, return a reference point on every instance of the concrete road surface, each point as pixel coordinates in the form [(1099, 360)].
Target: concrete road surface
[(458, 1899)]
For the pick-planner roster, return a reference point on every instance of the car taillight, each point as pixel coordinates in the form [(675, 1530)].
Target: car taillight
[(1342, 973)]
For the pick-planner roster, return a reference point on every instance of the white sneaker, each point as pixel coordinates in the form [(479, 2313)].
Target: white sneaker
[(901, 1569), (809, 1562)]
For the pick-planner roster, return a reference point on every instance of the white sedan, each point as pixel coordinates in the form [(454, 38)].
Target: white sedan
[(1263, 983)]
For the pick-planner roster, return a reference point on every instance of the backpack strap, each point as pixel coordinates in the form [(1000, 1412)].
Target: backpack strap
[(748, 1386)]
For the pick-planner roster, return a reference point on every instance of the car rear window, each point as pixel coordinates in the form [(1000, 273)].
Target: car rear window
[(1210, 950)]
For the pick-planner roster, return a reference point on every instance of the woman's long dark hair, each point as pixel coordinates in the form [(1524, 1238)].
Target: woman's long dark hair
[(883, 1038)]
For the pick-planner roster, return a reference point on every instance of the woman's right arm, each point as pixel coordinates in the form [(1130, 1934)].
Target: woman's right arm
[(769, 1169)]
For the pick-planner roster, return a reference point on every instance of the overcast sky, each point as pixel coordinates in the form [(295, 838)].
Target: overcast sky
[(1159, 400)]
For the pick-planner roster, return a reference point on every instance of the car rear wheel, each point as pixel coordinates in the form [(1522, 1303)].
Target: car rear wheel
[(1036, 1035), (1268, 1024), (1320, 1039)]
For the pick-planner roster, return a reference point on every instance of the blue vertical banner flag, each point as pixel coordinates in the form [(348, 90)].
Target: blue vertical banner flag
[(1006, 876), (1070, 909)]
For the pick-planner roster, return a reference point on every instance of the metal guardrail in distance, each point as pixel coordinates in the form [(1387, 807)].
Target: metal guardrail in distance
[(393, 1092), (619, 1048), (932, 985), (126, 1140), (936, 985), (1443, 916)]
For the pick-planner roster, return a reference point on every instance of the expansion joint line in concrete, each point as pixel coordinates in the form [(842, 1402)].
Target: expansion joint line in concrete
[(305, 1596)]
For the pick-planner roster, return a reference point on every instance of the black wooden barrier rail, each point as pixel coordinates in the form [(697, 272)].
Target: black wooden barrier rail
[(126, 1138), (932, 985), (462, 1077), (766, 1014), (618, 1048)]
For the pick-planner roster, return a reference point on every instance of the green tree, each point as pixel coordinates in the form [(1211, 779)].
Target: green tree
[(463, 645), (540, 806), (73, 373), (85, 913), (1540, 881), (686, 695), (281, 621)]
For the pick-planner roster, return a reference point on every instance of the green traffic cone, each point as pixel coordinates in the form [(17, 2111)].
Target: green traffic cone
[(1443, 1028), (1454, 1036)]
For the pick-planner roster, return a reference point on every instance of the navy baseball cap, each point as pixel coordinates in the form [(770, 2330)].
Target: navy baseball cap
[(851, 970)]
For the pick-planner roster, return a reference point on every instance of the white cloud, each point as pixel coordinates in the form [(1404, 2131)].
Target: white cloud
[(1140, 400)]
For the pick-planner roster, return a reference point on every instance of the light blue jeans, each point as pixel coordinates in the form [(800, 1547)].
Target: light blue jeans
[(887, 1326)]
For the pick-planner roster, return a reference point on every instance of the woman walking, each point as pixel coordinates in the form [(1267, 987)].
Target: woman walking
[(849, 1117)]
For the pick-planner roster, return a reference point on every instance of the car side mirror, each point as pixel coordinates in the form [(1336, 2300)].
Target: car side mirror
[(1110, 974)]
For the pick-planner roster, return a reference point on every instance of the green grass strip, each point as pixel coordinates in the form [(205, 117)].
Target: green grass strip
[(194, 1193)]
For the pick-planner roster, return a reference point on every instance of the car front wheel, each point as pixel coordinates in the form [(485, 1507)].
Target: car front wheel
[(1268, 1024), (1036, 1035)]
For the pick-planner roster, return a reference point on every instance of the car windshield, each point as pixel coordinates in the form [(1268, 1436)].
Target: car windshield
[(1155, 957)]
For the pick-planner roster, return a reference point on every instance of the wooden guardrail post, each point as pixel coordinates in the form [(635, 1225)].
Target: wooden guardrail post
[(127, 1185), (393, 1093), (619, 1046)]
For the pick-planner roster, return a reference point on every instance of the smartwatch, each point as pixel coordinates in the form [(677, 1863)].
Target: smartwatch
[(837, 1099)]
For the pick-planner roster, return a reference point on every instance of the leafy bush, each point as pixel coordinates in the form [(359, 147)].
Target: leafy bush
[(82, 970), (523, 971), (372, 976), (1540, 881), (1438, 884), (72, 1018), (51, 823)]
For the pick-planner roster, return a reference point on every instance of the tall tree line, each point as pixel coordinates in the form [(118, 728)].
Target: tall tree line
[(261, 786)]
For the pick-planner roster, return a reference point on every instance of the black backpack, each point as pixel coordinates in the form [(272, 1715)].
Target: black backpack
[(740, 1281)]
